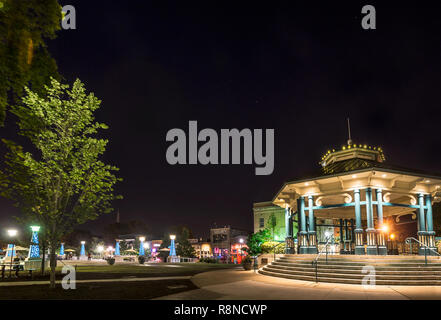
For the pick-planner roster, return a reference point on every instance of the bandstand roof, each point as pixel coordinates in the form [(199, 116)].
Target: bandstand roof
[(360, 167)]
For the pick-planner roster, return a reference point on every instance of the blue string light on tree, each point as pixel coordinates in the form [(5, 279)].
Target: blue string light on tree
[(34, 250), (172, 246), (141, 246), (117, 252)]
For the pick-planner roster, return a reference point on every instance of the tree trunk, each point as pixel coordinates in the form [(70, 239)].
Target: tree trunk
[(53, 264)]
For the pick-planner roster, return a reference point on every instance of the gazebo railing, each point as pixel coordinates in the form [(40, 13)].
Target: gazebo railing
[(409, 241), (315, 261)]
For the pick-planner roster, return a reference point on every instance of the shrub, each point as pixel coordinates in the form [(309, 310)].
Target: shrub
[(111, 261), (141, 259), (271, 246), (208, 260), (247, 263), (247, 260)]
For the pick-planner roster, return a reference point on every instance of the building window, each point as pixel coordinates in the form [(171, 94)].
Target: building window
[(261, 222)]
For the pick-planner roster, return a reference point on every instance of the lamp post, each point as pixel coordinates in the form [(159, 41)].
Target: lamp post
[(100, 250), (385, 231), (146, 248), (241, 252), (110, 249), (11, 233), (34, 250), (141, 246), (172, 247), (117, 251), (83, 249), (62, 249)]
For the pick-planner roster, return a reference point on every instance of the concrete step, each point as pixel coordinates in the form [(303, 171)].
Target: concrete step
[(362, 263), (388, 271), (334, 275), (402, 266), (371, 258), (404, 271), (349, 280)]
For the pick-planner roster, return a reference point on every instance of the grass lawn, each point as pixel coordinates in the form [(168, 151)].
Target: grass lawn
[(114, 289), (105, 290), (141, 271)]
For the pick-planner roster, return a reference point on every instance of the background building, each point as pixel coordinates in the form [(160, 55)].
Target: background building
[(202, 248), (222, 240), (263, 211)]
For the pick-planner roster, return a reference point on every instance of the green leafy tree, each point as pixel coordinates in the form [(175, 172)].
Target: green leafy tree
[(60, 181), (272, 223), (185, 249), (255, 241), (25, 25)]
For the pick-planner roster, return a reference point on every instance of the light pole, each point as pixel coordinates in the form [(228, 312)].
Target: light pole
[(34, 250), (172, 247), (146, 247), (83, 250), (100, 249), (141, 246), (11, 233), (241, 252)]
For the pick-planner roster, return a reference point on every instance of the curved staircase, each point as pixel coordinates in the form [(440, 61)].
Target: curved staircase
[(389, 270)]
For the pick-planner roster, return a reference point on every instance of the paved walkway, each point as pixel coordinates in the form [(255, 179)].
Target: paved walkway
[(31, 283), (247, 285)]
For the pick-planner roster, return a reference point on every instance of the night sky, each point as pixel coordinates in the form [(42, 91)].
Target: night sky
[(300, 70)]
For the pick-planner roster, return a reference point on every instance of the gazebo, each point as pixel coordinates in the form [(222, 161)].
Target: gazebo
[(358, 189)]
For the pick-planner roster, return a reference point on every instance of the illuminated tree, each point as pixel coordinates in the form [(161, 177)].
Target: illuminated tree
[(60, 181), (25, 25)]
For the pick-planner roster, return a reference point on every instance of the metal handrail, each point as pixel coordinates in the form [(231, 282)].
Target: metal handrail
[(315, 261), (409, 241), (274, 248)]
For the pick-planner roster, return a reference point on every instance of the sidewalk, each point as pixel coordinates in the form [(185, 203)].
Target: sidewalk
[(247, 285), (32, 283)]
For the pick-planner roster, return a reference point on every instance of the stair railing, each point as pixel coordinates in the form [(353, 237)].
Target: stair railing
[(274, 248), (315, 261), (409, 241)]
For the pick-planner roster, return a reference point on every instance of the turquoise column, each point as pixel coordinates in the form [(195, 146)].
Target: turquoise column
[(287, 216), (62, 249), (34, 250), (422, 235), (359, 245), (303, 241), (10, 250), (369, 216), (312, 234), (83, 250), (117, 248), (370, 231), (421, 212), (429, 221), (141, 248), (382, 250), (172, 248), (289, 241), (429, 218)]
